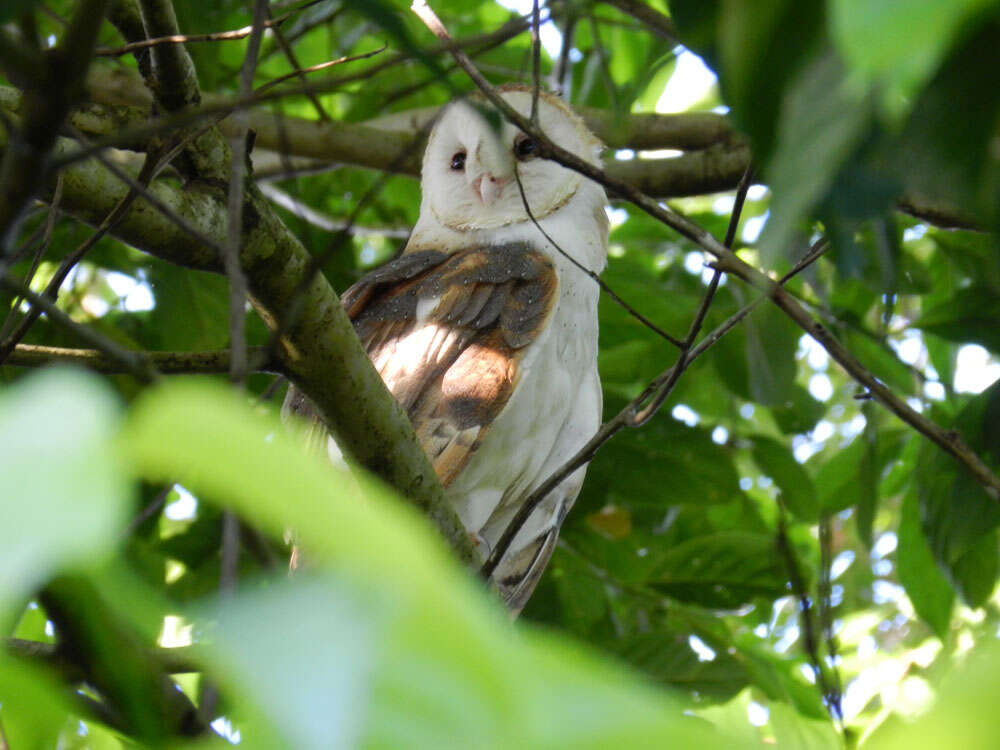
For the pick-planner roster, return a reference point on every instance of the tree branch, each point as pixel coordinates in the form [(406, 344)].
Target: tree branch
[(56, 84), (166, 363), (320, 353), (716, 157)]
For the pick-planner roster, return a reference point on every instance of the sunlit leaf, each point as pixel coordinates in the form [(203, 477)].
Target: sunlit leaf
[(62, 490), (928, 589)]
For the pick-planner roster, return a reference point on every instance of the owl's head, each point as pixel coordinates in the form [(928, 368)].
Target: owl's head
[(468, 175)]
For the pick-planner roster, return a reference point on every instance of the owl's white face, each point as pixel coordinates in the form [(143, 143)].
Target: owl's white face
[(468, 176)]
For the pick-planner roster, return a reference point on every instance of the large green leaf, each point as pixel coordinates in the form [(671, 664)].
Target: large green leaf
[(922, 32), (797, 489), (962, 716), (192, 308), (928, 589), (722, 570), (970, 315), (63, 494), (946, 158), (664, 463), (822, 124), (757, 359), (431, 659), (959, 516)]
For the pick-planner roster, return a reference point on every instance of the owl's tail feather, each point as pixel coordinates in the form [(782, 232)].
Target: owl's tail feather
[(517, 575)]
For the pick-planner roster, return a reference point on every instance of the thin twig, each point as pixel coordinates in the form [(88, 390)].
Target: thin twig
[(810, 638), (536, 63), (47, 228), (151, 508), (824, 595), (218, 36), (635, 414), (293, 60), (234, 205), (300, 72), (166, 363), (133, 362), (593, 275), (146, 174)]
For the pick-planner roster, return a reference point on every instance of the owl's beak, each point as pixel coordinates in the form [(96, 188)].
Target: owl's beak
[(488, 187)]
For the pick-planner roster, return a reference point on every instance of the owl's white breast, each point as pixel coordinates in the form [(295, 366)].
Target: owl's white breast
[(556, 406)]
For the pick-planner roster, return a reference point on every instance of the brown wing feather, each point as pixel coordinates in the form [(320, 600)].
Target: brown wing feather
[(454, 368)]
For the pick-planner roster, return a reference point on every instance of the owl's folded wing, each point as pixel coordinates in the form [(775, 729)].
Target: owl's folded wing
[(447, 333)]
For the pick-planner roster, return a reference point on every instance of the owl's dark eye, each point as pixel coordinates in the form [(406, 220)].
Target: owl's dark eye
[(524, 148), (458, 161)]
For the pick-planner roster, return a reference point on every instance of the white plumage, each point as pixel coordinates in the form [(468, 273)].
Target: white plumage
[(486, 333)]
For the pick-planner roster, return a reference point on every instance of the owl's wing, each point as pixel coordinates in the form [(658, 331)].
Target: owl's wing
[(447, 333)]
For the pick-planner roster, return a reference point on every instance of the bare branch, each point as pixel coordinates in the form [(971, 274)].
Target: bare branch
[(218, 36), (166, 363), (636, 414), (174, 81), (55, 84)]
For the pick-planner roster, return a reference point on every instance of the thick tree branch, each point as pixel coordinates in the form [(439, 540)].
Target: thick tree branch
[(716, 155), (174, 82), (320, 353)]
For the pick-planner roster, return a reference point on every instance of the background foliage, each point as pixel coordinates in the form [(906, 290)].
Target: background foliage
[(774, 558)]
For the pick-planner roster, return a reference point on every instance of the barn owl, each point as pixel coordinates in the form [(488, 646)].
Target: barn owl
[(486, 333)]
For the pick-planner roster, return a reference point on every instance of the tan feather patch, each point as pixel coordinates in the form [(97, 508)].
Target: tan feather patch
[(454, 366)]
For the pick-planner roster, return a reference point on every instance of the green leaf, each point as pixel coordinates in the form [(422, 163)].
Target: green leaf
[(665, 463), (797, 489), (800, 411), (970, 315), (314, 689), (822, 124), (964, 714), (846, 479), (757, 359), (667, 656), (192, 309), (922, 33), (794, 730), (945, 158), (12, 8), (975, 572), (958, 516), (925, 584), (34, 711), (722, 570), (62, 491), (761, 59), (431, 658)]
